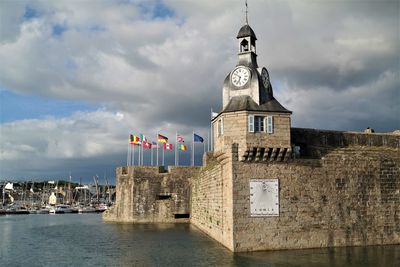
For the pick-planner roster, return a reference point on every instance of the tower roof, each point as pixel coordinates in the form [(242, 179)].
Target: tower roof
[(245, 31), (245, 102)]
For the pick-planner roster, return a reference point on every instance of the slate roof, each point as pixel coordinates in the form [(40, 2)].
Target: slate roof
[(245, 102), (245, 31)]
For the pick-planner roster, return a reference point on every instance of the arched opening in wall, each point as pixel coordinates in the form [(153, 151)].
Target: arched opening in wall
[(253, 45), (244, 46)]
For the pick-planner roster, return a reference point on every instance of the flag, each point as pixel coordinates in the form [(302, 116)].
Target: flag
[(167, 146), (146, 144), (182, 147), (213, 115), (162, 139), (134, 140), (154, 145), (197, 138), (143, 137), (179, 138)]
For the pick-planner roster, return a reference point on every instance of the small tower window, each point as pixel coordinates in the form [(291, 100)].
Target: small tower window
[(220, 127), (244, 46)]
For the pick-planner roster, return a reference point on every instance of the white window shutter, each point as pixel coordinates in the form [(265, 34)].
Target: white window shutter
[(251, 123), (270, 124)]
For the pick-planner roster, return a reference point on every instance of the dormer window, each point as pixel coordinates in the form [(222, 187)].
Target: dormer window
[(244, 46)]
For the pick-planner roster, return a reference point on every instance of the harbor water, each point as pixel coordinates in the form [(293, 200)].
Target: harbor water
[(85, 240)]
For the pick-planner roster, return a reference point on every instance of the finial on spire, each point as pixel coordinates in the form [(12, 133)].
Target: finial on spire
[(247, 19)]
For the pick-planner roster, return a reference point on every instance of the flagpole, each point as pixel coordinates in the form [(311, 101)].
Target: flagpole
[(157, 148), (127, 156), (176, 136), (204, 148), (141, 159), (133, 146), (163, 156), (211, 131), (208, 141), (193, 148), (151, 154)]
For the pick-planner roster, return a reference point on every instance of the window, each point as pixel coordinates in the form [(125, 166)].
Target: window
[(258, 124), (220, 127), (270, 124), (250, 123)]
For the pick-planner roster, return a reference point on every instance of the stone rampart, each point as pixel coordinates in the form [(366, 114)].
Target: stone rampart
[(152, 195), (342, 189), (345, 192)]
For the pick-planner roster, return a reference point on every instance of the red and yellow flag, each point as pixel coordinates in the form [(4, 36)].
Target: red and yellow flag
[(134, 140), (162, 139)]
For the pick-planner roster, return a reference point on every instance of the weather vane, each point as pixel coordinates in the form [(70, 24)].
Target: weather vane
[(247, 19)]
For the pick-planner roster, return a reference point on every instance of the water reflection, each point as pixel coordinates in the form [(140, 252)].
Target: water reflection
[(84, 240)]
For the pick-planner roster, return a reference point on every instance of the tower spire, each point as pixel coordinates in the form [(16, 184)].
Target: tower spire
[(247, 19)]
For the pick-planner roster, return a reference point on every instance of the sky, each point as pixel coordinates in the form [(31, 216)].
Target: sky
[(77, 77)]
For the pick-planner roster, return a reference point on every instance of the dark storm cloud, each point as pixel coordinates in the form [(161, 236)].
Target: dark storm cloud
[(335, 64)]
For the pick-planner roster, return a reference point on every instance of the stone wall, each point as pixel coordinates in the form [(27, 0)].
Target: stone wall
[(212, 198), (350, 197), (152, 195), (346, 194), (315, 143)]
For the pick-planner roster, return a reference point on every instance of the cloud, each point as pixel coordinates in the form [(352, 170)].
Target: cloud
[(162, 63)]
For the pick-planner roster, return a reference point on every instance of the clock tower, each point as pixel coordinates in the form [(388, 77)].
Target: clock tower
[(251, 116)]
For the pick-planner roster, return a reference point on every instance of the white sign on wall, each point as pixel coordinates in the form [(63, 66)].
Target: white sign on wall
[(264, 197)]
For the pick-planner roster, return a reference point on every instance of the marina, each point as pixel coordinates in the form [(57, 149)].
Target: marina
[(54, 197)]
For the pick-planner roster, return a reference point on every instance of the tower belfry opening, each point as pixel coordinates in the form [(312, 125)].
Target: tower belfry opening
[(244, 46)]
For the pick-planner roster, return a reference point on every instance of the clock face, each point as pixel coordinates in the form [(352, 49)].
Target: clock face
[(264, 197), (265, 77), (240, 76)]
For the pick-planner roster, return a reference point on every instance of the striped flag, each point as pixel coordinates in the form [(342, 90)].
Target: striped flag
[(134, 140), (182, 147), (154, 145), (162, 138), (143, 137)]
